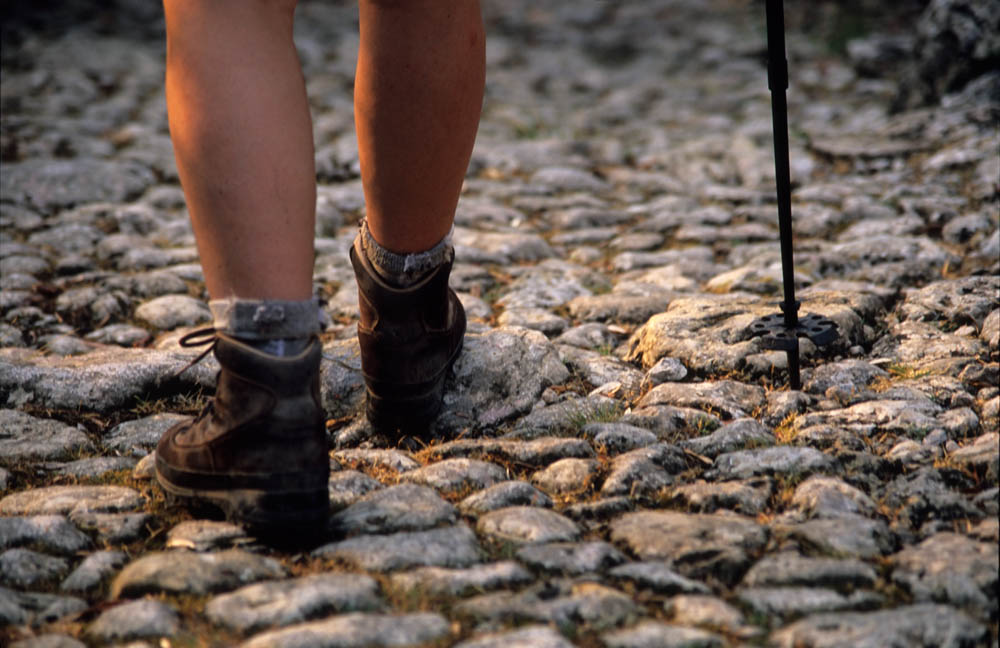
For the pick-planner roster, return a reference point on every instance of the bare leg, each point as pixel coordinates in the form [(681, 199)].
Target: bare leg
[(242, 135), (417, 99)]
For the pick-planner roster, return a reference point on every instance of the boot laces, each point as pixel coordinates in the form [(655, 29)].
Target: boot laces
[(201, 337)]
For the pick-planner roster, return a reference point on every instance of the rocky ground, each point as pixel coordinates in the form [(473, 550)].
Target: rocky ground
[(619, 464)]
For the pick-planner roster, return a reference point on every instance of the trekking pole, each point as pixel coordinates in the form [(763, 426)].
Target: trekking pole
[(781, 331)]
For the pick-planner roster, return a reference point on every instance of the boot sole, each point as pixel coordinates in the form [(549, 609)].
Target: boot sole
[(414, 413), (260, 508)]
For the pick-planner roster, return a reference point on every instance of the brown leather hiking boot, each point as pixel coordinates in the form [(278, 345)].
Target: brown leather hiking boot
[(409, 339), (259, 450)]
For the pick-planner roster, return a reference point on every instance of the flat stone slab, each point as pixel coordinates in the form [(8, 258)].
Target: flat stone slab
[(103, 380), (454, 546), (731, 399), (36, 609), (53, 184), (847, 537), (527, 524), (654, 634), (658, 577), (788, 568), (748, 497), (502, 495), (453, 475), (571, 557), (920, 626), (52, 533), (357, 631), (25, 568), (779, 460), (789, 602), (91, 573), (286, 602), (26, 438), (136, 438), (406, 507), (697, 545), (830, 497), (145, 619), (949, 567), (63, 500), (206, 535), (536, 452), (442, 581), (184, 572), (732, 436), (527, 637)]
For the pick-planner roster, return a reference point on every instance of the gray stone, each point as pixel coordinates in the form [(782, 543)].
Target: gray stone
[(926, 495), (112, 528), (104, 380), (515, 363), (704, 610), (48, 641), (790, 569), (778, 460), (730, 398), (852, 375), (35, 609), (53, 533), (786, 602), (48, 185), (125, 335), (286, 602), (457, 475), (749, 497), (653, 634), (920, 626), (846, 536), (62, 500), (93, 571), (25, 568), (391, 459), (568, 607), (950, 568), (170, 311), (206, 535), (731, 437), (566, 476), (454, 546), (598, 369), (617, 438), (441, 581), (356, 630), (982, 454), (666, 370), (537, 452), (135, 620), (502, 495), (658, 577), (697, 545), (183, 572), (643, 471), (346, 486), (571, 558), (26, 438), (406, 507), (566, 416), (91, 466), (527, 524), (829, 497), (527, 637)]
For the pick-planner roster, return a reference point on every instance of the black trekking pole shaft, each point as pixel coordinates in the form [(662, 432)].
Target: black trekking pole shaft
[(777, 82)]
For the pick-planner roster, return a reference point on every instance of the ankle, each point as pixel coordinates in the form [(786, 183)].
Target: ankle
[(403, 270), (275, 327)]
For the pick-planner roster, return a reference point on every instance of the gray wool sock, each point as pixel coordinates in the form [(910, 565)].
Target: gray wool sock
[(275, 326), (402, 270)]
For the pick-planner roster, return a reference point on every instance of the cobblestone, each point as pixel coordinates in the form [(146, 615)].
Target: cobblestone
[(617, 461)]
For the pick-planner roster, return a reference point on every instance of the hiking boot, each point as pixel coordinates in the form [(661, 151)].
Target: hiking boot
[(409, 339), (259, 450)]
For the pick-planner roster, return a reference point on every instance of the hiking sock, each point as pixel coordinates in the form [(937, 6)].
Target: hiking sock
[(403, 270), (277, 327)]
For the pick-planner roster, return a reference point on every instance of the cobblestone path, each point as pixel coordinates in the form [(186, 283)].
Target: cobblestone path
[(619, 464)]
